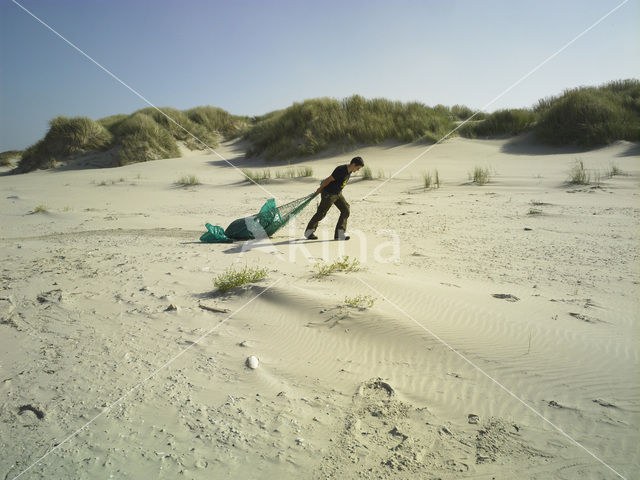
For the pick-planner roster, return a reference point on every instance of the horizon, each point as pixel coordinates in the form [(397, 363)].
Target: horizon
[(267, 57)]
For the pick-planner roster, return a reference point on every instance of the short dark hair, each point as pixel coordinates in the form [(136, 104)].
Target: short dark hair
[(357, 161)]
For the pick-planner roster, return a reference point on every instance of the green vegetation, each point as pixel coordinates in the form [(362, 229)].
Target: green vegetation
[(188, 181), (40, 208), (340, 265), (314, 125), (262, 175), (367, 174), (431, 179), (502, 122), (232, 278), (142, 140), (181, 128), (144, 135), (360, 301), (66, 137), (584, 117), (294, 172), (614, 170), (257, 176), (462, 112), (427, 180), (591, 116), (215, 119), (579, 175), (480, 176), (7, 157)]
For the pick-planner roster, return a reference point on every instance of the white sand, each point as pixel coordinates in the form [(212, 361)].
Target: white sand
[(340, 392)]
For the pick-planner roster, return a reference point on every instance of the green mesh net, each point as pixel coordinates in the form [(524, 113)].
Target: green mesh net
[(265, 223)]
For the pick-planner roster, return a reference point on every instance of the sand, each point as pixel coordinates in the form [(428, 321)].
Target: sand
[(502, 341)]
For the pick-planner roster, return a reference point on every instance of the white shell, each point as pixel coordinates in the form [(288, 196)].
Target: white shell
[(253, 362)]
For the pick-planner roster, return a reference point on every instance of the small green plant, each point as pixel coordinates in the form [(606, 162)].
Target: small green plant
[(367, 174), (188, 180), (578, 174), (257, 176), (294, 172), (232, 278), (7, 158), (427, 180), (340, 265), (614, 170), (480, 176), (381, 174), (360, 301), (102, 183), (286, 173), (534, 211), (304, 171), (431, 180), (40, 208)]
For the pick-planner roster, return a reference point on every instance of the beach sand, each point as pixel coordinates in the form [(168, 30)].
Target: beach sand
[(502, 342)]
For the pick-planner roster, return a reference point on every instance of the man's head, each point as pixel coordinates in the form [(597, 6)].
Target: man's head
[(356, 164)]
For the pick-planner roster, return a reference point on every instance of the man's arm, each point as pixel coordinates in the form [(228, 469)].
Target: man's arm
[(325, 182)]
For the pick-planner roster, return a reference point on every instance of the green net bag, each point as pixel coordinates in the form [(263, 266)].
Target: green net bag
[(265, 223)]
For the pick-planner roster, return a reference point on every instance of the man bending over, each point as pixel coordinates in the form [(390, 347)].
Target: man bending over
[(331, 194)]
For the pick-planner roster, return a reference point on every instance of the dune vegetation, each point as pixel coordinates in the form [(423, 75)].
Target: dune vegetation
[(585, 117), (147, 134), (591, 116), (7, 158), (312, 126)]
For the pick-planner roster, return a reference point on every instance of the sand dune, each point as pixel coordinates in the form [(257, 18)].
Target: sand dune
[(493, 306)]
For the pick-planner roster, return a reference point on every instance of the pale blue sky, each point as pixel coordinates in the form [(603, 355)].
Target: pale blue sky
[(254, 56)]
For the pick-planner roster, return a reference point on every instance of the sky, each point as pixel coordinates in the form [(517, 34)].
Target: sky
[(251, 57)]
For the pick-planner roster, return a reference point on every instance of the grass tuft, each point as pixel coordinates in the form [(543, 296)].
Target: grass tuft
[(188, 180), (614, 170), (257, 176), (40, 208), (304, 171), (360, 301), (579, 175), (427, 180), (367, 174), (480, 176), (292, 172), (340, 265), (233, 278)]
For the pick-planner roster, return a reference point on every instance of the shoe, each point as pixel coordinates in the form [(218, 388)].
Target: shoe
[(341, 236), (309, 235)]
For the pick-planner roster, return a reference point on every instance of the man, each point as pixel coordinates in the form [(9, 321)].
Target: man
[(331, 194)]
